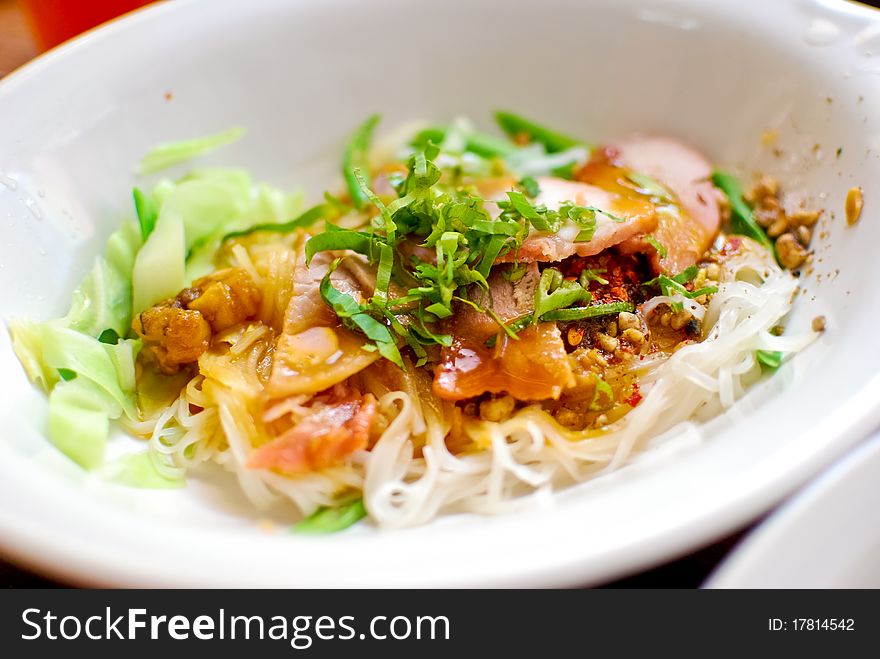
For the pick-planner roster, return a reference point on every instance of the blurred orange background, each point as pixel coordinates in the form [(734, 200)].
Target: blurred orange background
[(28, 27), (55, 21)]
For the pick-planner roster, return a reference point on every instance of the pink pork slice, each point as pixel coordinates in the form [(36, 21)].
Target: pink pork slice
[(638, 215), (686, 172)]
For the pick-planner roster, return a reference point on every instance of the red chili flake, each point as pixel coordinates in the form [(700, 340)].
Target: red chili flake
[(624, 275), (635, 397), (619, 293)]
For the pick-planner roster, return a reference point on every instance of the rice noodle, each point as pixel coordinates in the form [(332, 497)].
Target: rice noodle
[(410, 475), (696, 310)]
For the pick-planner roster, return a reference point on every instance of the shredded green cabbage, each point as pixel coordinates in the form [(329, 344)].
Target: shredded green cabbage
[(173, 153), (138, 470), (161, 263), (103, 300), (86, 360), (193, 215), (109, 366), (77, 424)]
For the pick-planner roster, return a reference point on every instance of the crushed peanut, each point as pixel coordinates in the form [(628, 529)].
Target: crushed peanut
[(764, 187), (626, 320), (804, 235), (607, 343), (791, 253), (497, 409), (818, 324), (778, 227), (854, 201), (634, 336), (804, 218), (679, 320), (596, 357), (791, 231), (713, 272)]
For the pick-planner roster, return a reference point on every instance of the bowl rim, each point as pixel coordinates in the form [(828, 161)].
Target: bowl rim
[(773, 537)]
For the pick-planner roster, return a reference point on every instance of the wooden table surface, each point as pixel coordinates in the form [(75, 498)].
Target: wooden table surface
[(16, 48)]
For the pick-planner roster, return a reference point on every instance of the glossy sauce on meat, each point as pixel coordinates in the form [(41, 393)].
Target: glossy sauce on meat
[(533, 366), (688, 221)]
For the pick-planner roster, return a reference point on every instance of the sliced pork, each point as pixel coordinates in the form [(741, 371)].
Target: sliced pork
[(532, 367), (315, 351), (337, 425), (687, 225), (638, 217)]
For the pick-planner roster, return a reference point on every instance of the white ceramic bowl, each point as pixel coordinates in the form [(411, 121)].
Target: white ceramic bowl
[(300, 75), (825, 537)]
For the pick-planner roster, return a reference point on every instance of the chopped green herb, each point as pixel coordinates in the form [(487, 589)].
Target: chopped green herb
[(592, 275), (515, 273), (307, 219), (356, 157), (656, 244), (147, 213), (531, 187), (466, 242), (332, 519), (593, 311), (66, 374), (769, 359), (355, 316), (603, 398), (517, 208), (515, 126), (672, 285), (742, 219), (477, 143), (686, 275), (584, 217), (554, 292), (650, 186), (340, 239)]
